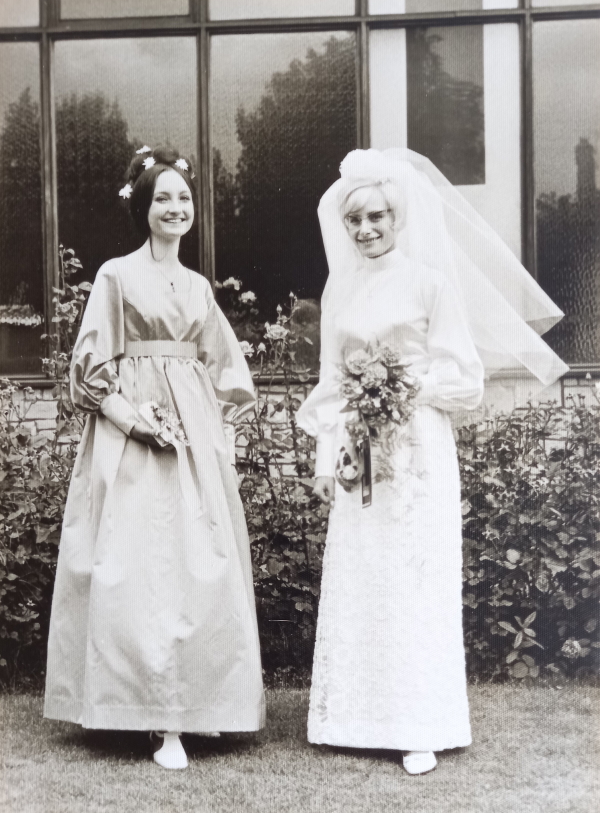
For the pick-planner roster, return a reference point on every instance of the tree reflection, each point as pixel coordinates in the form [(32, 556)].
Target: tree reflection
[(568, 253)]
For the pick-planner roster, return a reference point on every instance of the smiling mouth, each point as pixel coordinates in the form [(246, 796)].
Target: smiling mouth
[(369, 241), (174, 220)]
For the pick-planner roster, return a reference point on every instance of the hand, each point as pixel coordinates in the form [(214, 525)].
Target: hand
[(144, 434), (325, 490)]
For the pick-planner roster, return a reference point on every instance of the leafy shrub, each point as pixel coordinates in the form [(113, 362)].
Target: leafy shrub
[(531, 497), (531, 493)]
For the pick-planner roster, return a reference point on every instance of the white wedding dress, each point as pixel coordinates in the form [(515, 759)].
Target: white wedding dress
[(389, 666)]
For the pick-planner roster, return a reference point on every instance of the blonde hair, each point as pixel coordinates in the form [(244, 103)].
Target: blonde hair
[(392, 195)]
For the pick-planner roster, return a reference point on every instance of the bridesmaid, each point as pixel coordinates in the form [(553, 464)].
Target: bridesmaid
[(153, 621)]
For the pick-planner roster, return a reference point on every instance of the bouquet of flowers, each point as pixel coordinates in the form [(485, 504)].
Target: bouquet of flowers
[(165, 424), (381, 392)]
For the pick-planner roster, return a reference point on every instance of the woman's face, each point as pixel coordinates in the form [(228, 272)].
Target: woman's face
[(171, 212), (372, 226)]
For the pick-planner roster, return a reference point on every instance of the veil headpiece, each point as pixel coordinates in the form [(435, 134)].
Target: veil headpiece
[(506, 309)]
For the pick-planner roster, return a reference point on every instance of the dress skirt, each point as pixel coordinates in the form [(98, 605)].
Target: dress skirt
[(389, 665), (153, 618)]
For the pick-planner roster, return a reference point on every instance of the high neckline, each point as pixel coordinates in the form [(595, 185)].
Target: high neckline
[(383, 262)]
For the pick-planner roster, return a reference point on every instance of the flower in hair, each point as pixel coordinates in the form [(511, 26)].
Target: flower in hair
[(148, 162), (143, 149), (182, 164), (126, 191)]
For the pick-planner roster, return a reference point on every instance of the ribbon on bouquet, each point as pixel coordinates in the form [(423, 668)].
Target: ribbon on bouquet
[(353, 465)]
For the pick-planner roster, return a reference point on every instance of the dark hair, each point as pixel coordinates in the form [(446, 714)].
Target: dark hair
[(143, 182)]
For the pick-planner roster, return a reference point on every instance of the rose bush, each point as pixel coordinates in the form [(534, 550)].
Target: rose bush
[(531, 500)]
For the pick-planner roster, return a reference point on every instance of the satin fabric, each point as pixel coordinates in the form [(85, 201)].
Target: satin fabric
[(153, 618)]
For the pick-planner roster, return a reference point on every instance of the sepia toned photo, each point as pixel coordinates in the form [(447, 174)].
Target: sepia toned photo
[(299, 406)]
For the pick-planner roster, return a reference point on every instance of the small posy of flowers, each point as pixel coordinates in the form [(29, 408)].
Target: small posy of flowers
[(165, 424)]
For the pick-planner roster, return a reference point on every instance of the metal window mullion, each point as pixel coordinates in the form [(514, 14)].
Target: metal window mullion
[(205, 184), (363, 91), (49, 176)]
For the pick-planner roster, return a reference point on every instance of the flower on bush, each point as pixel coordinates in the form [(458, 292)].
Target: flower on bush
[(232, 282), (248, 297), (247, 349), (275, 333)]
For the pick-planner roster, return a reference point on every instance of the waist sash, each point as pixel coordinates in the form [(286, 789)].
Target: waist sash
[(161, 348)]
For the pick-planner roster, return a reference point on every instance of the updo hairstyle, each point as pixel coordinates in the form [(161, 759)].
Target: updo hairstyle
[(143, 182)]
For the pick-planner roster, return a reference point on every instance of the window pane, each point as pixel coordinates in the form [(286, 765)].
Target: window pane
[(453, 94), (114, 96), (424, 6), (86, 9), (19, 12), (21, 274), (252, 9), (537, 3), (283, 112), (566, 140)]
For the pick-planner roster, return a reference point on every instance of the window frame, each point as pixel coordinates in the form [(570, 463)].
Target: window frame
[(197, 23)]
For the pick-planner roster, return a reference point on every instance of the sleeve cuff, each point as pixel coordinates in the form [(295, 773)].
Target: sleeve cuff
[(229, 430), (120, 412), (325, 462)]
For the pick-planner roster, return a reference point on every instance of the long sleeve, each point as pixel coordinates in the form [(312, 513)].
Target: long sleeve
[(319, 414), (94, 377), (454, 378), (220, 352)]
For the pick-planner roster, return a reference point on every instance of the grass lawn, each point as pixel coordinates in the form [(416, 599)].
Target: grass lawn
[(536, 750)]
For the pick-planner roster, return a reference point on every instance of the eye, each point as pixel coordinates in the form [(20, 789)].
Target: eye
[(376, 217), (352, 220)]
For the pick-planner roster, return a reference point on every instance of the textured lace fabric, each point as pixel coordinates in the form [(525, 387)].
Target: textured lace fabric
[(389, 666)]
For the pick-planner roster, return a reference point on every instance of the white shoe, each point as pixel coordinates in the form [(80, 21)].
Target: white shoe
[(169, 753), (416, 762)]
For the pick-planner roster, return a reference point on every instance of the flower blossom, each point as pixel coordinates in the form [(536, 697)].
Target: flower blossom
[(374, 375), (571, 648), (148, 162), (275, 332), (182, 164), (143, 149), (261, 348), (358, 361), (248, 296), (246, 348), (126, 191), (232, 282)]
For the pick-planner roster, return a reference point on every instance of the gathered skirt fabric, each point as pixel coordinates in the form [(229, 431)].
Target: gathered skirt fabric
[(389, 665), (153, 619)]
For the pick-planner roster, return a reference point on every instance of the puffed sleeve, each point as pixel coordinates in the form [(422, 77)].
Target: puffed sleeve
[(455, 376), (319, 414), (94, 376), (220, 352)]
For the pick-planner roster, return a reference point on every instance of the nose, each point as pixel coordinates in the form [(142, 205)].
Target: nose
[(364, 228)]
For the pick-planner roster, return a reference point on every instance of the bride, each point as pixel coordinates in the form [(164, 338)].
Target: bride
[(412, 269)]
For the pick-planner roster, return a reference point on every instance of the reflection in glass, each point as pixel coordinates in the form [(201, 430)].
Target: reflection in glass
[(88, 9), (566, 140), (255, 9), (283, 110), (21, 275), (445, 117), (113, 96), (19, 12), (424, 6)]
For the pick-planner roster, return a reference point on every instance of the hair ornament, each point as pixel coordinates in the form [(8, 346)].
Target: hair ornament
[(143, 149), (182, 164), (148, 162), (125, 193)]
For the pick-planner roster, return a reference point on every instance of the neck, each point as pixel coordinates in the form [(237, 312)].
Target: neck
[(165, 252), (384, 261)]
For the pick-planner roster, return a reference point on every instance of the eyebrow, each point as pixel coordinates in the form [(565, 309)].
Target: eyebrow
[(374, 212)]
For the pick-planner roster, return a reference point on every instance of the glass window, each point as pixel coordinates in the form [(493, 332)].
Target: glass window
[(283, 110), (537, 3), (424, 6), (112, 97), (453, 94), (88, 9), (19, 12), (21, 275), (566, 140), (252, 9)]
